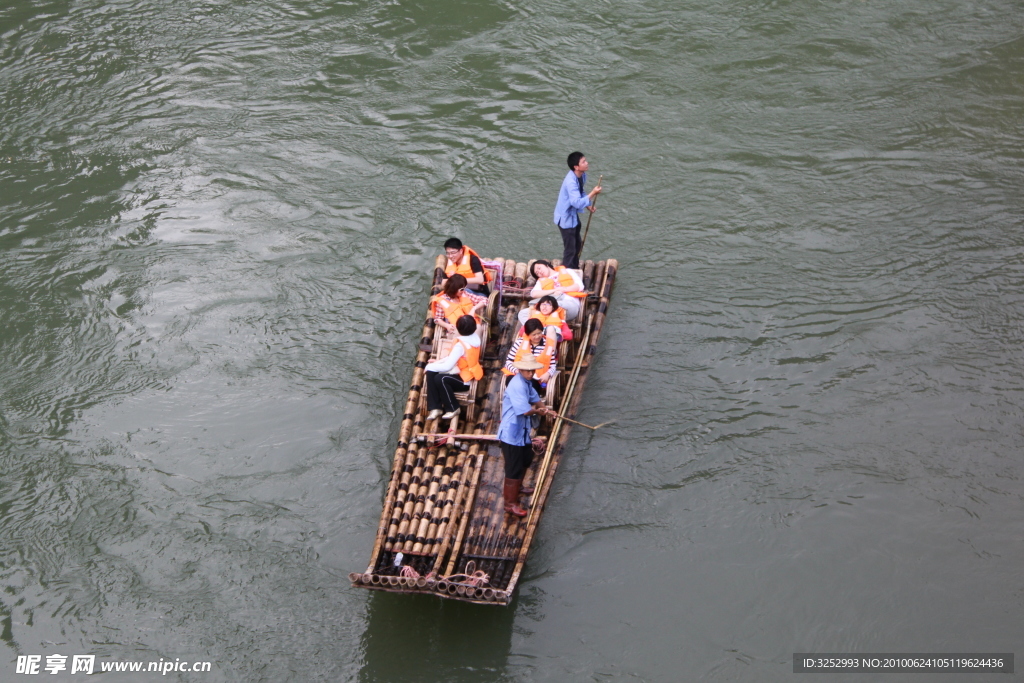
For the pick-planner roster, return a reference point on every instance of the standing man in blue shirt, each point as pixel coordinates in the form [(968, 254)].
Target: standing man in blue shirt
[(520, 403), (571, 200)]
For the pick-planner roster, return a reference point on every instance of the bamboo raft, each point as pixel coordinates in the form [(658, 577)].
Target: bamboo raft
[(443, 529)]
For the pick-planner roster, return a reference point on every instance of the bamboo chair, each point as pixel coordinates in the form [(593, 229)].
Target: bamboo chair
[(442, 347)]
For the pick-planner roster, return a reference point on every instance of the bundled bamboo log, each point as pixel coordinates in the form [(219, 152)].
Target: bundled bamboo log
[(447, 490), (408, 420), (419, 489)]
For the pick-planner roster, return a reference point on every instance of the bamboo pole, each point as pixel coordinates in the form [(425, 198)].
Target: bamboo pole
[(397, 501), (509, 271), (450, 482), (559, 421), (611, 269), (431, 506), (405, 501), (554, 443), (593, 204), (421, 513), (467, 504), (457, 489), (407, 424), (588, 275), (485, 424), (493, 515), (523, 273), (575, 422), (545, 486)]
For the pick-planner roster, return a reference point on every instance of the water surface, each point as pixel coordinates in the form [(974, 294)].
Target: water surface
[(217, 221)]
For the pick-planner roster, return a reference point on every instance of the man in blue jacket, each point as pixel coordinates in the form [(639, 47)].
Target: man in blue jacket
[(520, 403), (571, 200)]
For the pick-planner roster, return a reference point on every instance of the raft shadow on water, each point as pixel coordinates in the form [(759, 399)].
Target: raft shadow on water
[(420, 638)]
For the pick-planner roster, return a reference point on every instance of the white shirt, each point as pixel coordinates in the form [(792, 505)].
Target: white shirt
[(574, 274), (449, 363)]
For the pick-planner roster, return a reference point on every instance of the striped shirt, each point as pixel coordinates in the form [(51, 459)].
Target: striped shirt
[(536, 350)]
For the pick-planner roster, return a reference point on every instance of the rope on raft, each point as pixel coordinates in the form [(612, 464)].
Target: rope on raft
[(475, 580)]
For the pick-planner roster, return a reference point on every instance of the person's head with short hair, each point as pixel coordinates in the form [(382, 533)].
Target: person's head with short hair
[(453, 248), (454, 285), (534, 330), (574, 160), (466, 325), (544, 271), (548, 302)]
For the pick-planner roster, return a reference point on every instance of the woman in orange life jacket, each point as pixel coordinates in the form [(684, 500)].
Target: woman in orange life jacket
[(452, 303), (466, 262), (532, 342), (562, 283), (453, 373), (549, 314)]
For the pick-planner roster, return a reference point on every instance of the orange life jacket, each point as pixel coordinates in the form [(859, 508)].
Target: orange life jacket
[(564, 280), (453, 310), (525, 349), (463, 268), (556, 319), (469, 363)]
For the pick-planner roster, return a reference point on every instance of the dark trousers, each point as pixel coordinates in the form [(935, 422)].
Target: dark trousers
[(517, 459), (571, 246), (441, 388)]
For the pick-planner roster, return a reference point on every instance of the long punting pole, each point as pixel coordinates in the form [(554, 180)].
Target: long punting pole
[(586, 354), (593, 204)]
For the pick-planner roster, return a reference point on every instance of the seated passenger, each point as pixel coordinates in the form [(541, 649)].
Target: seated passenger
[(550, 315), (532, 341), (453, 373), (560, 282), (453, 303), (466, 262)]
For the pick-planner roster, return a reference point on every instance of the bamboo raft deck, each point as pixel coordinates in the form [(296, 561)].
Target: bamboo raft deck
[(443, 529)]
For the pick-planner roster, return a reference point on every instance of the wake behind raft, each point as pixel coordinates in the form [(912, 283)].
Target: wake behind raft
[(443, 530)]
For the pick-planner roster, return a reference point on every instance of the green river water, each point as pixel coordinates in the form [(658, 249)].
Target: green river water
[(217, 224)]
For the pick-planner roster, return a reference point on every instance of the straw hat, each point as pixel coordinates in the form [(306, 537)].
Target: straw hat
[(529, 362)]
